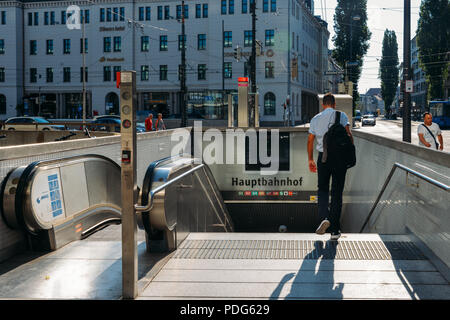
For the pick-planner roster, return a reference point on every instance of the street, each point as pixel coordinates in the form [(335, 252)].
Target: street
[(393, 129)]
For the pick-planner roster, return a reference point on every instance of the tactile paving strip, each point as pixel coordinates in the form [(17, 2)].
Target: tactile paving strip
[(298, 249)]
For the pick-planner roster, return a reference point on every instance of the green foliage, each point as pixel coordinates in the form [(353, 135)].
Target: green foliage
[(352, 38), (433, 40), (389, 72)]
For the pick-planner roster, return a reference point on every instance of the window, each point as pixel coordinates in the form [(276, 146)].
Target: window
[(2, 76), (228, 39), (198, 11), (85, 74), (186, 11), (3, 17), (244, 6), (145, 44), (270, 38), (166, 12), (181, 42), (2, 46), (122, 14), (269, 104), (85, 45), (108, 14), (160, 12), (205, 10), (269, 69), (162, 43), (33, 47), (106, 73), (201, 42), (141, 13), (148, 13), (201, 72), (66, 77), (230, 6), (179, 12), (36, 18), (49, 74), (223, 7), (117, 44), (145, 73), (46, 18), (52, 17), (115, 14), (273, 5), (86, 14), (107, 44), (265, 5), (49, 47), (102, 14), (2, 97), (115, 70), (248, 38), (66, 46), (30, 19), (33, 75), (163, 72), (227, 70)]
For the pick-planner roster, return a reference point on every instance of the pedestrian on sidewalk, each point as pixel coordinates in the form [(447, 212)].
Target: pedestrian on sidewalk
[(159, 124), (319, 126), (149, 122), (428, 131)]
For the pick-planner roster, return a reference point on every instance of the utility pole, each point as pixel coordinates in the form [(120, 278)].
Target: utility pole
[(183, 70), (223, 66), (406, 117), (288, 100), (83, 41), (253, 66)]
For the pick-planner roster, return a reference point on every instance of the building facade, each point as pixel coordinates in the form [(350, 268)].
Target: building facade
[(419, 96), (41, 55)]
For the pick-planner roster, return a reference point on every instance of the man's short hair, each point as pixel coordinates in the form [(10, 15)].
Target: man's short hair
[(425, 113), (328, 100)]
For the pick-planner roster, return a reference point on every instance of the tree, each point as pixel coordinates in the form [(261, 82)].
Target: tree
[(389, 74), (433, 41), (352, 37)]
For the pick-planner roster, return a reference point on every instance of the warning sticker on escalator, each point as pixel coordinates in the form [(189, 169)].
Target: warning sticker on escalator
[(46, 194)]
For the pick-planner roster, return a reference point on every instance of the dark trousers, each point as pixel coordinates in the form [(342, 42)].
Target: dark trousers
[(337, 175)]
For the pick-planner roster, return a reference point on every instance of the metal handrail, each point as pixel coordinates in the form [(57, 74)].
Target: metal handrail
[(388, 179), (158, 189)]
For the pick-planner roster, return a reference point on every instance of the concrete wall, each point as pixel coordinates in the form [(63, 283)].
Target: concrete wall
[(14, 138)]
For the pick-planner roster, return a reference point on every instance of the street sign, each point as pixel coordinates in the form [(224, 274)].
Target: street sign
[(409, 86), (352, 64)]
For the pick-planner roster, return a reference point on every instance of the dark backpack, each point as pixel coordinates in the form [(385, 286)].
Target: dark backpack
[(338, 149)]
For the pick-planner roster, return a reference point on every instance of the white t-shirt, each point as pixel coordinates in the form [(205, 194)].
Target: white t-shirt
[(322, 122), (434, 128)]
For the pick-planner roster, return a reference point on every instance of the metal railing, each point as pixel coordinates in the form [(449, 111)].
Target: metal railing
[(160, 188), (388, 179)]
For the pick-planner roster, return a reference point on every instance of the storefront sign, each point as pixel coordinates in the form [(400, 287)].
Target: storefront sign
[(102, 29)]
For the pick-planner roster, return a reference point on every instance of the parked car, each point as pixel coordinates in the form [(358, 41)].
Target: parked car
[(106, 116), (108, 123), (368, 119), (30, 124)]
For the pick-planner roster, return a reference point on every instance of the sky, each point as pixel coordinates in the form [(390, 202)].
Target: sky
[(379, 20)]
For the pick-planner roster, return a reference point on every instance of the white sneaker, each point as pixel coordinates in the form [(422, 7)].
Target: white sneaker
[(323, 227), (335, 235)]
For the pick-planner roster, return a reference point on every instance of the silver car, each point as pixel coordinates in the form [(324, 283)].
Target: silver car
[(31, 124), (368, 119)]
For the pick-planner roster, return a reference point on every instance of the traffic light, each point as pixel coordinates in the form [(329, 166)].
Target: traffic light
[(237, 53)]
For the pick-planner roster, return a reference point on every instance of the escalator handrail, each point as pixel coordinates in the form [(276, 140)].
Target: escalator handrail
[(388, 179), (149, 205)]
